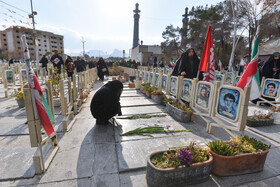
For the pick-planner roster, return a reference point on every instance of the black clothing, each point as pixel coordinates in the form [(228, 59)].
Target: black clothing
[(57, 62), (105, 102), (187, 64), (79, 65), (102, 69), (44, 61), (267, 69), (91, 64), (11, 61)]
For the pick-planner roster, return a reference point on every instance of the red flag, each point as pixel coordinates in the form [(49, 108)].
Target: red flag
[(207, 64), (37, 90)]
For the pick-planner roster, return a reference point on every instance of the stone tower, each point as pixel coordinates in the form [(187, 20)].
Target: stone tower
[(185, 21), (136, 26)]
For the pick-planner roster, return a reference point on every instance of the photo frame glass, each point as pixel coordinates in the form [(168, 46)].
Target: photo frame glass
[(151, 77), (228, 103), (186, 90), (156, 81), (236, 80), (229, 78), (219, 77), (271, 88), (203, 95), (173, 85), (147, 77), (9, 76), (163, 82), (143, 75), (24, 75)]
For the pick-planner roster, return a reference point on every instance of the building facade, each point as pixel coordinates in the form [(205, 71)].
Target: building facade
[(142, 53), (11, 44)]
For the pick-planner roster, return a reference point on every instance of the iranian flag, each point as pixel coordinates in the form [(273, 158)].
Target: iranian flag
[(207, 64), (251, 74), (41, 106)]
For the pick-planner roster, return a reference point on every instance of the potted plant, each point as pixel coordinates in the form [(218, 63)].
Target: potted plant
[(142, 87), (148, 89), (179, 166), (259, 119), (157, 96), (19, 98), (237, 156), (179, 111)]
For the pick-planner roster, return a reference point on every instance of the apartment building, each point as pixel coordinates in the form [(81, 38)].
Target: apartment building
[(10, 42)]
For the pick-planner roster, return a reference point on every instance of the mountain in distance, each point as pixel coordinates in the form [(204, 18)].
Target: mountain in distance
[(100, 53)]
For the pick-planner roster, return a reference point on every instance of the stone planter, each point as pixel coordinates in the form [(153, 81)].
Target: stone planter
[(142, 89), (158, 99), (137, 84), (238, 164), (177, 114), (259, 123), (56, 102), (276, 117), (20, 103), (131, 85), (148, 94), (197, 173)]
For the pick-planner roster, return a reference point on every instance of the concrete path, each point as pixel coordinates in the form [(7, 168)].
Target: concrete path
[(93, 155)]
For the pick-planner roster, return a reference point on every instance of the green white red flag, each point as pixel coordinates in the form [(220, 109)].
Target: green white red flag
[(207, 64), (37, 93), (251, 74)]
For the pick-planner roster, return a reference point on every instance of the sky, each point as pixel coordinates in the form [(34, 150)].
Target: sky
[(104, 24)]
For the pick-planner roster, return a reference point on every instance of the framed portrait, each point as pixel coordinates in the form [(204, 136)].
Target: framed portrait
[(151, 77), (156, 80), (186, 90), (236, 80), (173, 85), (271, 88), (24, 75), (147, 77), (143, 75), (229, 101), (138, 74), (220, 78), (161, 70), (154, 69), (203, 94), (164, 82), (9, 76), (229, 78)]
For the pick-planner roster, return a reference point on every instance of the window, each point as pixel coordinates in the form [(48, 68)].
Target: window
[(39, 44), (18, 42), (16, 31), (17, 36), (44, 35), (45, 50), (45, 45), (40, 50), (4, 39), (45, 41), (4, 34), (60, 47), (60, 43), (5, 44), (19, 48), (39, 40)]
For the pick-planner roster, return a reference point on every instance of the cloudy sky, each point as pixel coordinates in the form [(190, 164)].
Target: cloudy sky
[(105, 24)]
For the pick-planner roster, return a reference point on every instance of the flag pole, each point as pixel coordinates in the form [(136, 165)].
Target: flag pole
[(30, 73)]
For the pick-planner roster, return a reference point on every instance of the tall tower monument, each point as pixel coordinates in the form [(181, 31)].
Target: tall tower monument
[(136, 26), (185, 21)]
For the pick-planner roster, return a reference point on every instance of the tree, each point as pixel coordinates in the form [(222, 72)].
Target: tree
[(171, 47)]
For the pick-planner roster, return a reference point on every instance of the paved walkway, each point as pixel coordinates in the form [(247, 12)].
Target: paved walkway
[(91, 155)]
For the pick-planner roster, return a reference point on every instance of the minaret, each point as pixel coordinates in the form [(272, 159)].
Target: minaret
[(136, 26), (185, 21)]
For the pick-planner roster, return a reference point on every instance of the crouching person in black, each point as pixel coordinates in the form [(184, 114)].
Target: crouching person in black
[(105, 102)]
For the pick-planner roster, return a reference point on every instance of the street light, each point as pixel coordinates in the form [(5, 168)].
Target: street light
[(34, 34)]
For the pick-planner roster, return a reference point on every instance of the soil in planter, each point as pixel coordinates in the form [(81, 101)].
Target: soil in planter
[(259, 123)]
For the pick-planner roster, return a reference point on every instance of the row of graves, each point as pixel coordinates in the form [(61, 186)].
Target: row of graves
[(59, 91), (219, 104)]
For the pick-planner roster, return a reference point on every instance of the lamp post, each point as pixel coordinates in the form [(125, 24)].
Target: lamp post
[(35, 41)]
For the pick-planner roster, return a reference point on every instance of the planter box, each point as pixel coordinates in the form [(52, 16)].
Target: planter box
[(238, 164), (177, 114), (158, 99), (276, 117), (142, 89), (56, 102), (148, 94), (138, 84), (20, 103), (197, 173), (259, 123), (131, 85)]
